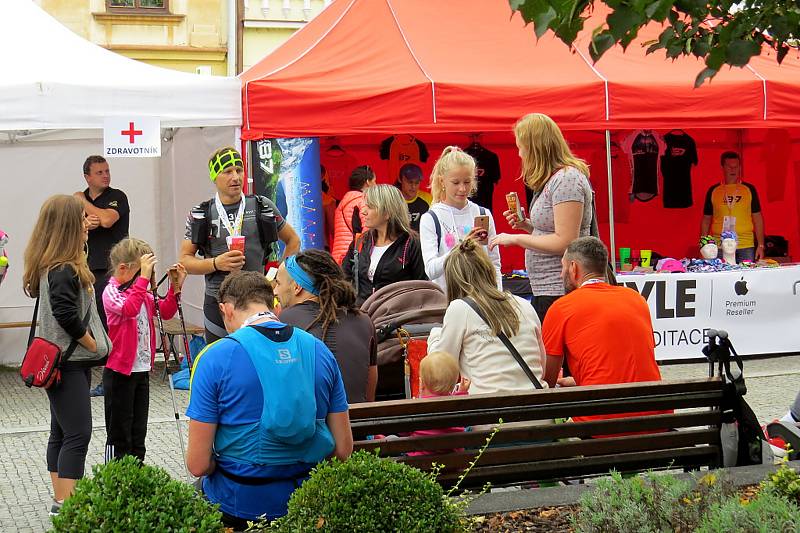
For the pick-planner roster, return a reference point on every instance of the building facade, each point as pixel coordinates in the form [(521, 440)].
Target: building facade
[(210, 37), (268, 23)]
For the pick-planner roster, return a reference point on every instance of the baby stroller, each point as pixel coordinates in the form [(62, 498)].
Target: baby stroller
[(403, 314)]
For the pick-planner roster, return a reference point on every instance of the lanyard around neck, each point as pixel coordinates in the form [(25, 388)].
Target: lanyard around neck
[(257, 317), (593, 281), (234, 229)]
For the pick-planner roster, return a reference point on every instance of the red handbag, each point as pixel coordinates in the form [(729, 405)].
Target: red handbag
[(41, 366)]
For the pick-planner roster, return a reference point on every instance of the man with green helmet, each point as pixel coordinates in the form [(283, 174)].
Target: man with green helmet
[(231, 232)]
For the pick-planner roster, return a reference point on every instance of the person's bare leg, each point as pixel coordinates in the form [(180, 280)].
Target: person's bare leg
[(62, 487), (56, 486)]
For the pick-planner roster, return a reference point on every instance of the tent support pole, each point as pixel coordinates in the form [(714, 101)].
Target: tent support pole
[(612, 242)]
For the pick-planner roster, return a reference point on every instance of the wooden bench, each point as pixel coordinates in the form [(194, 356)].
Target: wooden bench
[(522, 452)]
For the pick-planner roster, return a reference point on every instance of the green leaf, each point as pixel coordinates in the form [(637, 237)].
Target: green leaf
[(716, 58), (541, 23), (600, 44), (658, 10), (623, 20), (740, 52), (705, 74), (700, 49)]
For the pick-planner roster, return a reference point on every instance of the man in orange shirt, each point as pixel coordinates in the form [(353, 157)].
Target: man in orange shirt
[(603, 330)]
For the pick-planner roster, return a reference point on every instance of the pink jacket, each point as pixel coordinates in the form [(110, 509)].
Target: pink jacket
[(441, 431), (122, 310)]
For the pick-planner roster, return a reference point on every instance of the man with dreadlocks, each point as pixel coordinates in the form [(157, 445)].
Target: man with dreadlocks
[(232, 232), (315, 296)]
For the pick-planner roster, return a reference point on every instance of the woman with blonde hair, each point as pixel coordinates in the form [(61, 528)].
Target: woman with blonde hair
[(389, 250), (561, 208), (452, 217), (473, 339), (57, 274)]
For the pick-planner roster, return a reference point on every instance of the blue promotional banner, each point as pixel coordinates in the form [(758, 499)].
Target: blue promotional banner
[(287, 171)]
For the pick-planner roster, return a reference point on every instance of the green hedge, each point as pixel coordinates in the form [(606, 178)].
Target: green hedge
[(126, 496)]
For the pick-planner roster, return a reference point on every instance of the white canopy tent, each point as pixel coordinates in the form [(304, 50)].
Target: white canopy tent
[(56, 93)]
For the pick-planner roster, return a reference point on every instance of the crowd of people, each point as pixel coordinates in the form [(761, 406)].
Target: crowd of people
[(285, 357)]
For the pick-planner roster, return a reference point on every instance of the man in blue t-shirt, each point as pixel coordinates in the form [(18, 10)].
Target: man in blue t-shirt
[(267, 404)]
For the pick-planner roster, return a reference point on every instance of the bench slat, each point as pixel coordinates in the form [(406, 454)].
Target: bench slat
[(691, 457), (472, 439), (539, 397), (525, 453), (523, 413)]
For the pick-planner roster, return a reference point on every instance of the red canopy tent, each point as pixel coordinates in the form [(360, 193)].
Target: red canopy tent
[(370, 68), (382, 66)]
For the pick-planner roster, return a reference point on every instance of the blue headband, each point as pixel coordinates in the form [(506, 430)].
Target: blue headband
[(300, 276)]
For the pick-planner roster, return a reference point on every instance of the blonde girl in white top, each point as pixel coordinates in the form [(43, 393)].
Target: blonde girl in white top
[(482, 357), (452, 182)]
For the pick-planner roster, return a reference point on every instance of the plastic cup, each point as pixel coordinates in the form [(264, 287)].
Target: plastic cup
[(237, 243), (624, 256), (646, 256)]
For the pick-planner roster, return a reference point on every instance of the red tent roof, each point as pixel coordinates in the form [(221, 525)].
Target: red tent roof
[(386, 66)]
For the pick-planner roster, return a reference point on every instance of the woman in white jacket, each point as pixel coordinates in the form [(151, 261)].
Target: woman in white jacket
[(451, 218), (482, 356)]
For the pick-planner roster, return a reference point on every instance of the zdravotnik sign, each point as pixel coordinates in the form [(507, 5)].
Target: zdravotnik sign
[(132, 137), (760, 310)]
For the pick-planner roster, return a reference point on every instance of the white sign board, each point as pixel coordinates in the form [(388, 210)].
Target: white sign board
[(760, 310), (132, 137)]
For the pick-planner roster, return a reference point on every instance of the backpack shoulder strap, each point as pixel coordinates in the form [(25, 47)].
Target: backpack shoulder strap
[(438, 226), (206, 207)]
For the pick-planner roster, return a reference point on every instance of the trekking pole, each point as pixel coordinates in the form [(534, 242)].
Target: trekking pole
[(178, 427), (173, 275), (169, 376)]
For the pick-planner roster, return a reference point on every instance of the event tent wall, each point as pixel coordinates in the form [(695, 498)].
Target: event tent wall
[(771, 161), (442, 71), (56, 93)]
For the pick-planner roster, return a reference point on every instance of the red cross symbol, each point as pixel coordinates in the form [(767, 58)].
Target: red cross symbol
[(131, 133)]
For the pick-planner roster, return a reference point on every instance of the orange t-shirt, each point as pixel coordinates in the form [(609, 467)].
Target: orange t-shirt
[(606, 335)]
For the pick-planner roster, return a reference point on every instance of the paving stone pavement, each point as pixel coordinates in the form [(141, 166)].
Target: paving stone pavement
[(25, 495)]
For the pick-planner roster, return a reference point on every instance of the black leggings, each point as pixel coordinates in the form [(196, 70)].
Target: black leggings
[(70, 424), (100, 282), (127, 402)]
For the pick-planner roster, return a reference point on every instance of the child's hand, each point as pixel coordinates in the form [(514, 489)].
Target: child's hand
[(177, 275), (463, 385), (148, 264)]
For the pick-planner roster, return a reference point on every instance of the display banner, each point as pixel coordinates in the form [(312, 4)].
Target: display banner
[(760, 310), (132, 137), (287, 172)]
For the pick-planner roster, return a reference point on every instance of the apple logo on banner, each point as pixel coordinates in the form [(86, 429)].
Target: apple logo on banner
[(740, 287)]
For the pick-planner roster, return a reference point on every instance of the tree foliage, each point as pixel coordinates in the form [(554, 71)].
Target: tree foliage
[(720, 32)]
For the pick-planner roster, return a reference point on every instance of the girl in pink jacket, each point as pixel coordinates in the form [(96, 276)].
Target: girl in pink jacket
[(129, 309)]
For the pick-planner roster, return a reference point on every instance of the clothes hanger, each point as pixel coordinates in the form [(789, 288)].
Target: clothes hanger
[(335, 150)]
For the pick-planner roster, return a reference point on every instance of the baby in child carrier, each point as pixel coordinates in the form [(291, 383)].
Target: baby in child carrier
[(438, 376)]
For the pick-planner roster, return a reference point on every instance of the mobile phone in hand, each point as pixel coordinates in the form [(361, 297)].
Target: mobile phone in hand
[(482, 221)]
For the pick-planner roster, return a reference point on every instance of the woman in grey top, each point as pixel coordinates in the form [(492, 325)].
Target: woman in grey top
[(56, 272), (561, 208)]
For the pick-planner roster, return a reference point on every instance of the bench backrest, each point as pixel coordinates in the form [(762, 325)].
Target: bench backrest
[(530, 446)]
